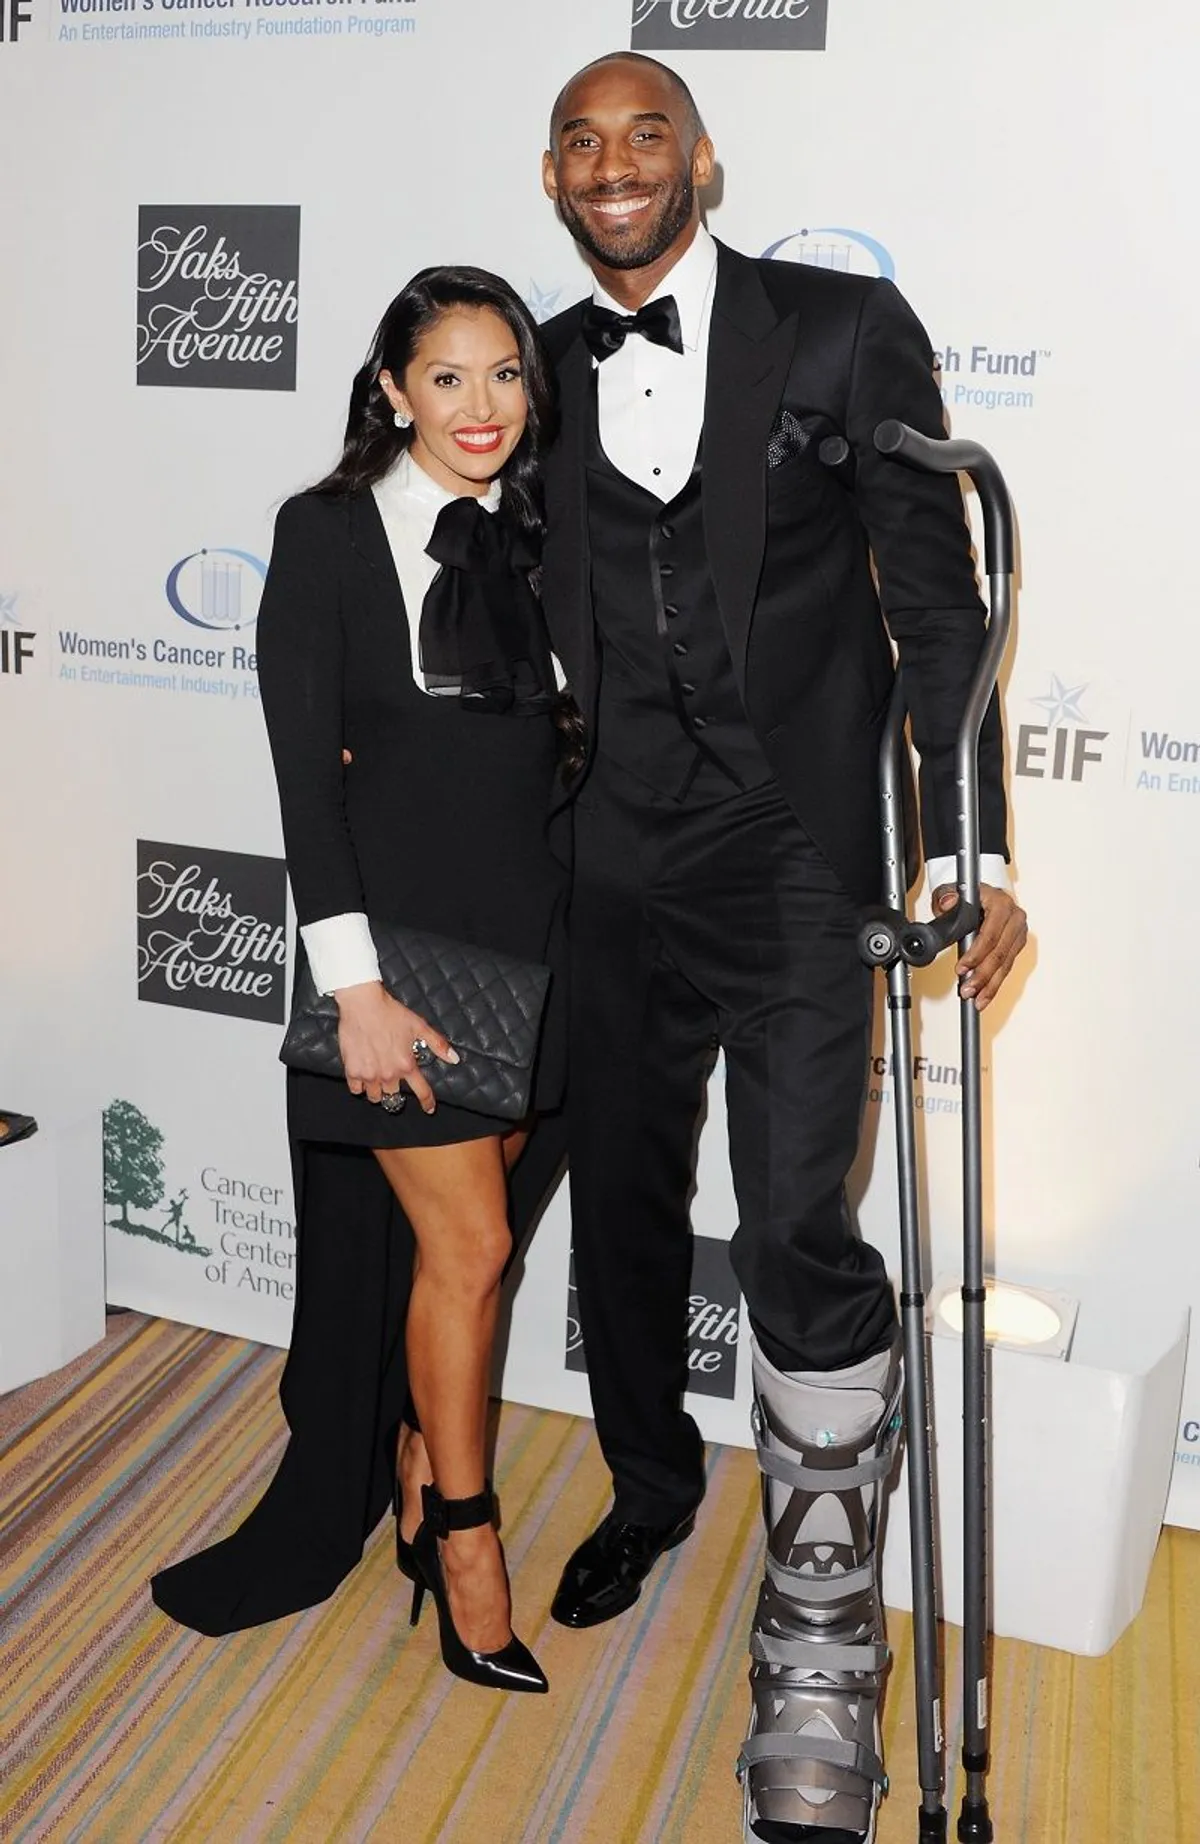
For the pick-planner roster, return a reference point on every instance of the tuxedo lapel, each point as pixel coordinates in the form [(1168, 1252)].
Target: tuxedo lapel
[(369, 540), (749, 355), (566, 577)]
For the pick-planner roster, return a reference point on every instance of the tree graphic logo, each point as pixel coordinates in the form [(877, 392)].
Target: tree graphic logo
[(133, 1178)]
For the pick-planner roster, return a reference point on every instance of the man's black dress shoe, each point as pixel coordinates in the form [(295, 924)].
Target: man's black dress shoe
[(606, 1573)]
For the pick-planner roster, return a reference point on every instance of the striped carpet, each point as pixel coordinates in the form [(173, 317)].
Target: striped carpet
[(341, 1725)]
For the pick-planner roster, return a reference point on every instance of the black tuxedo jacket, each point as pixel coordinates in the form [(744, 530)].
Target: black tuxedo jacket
[(797, 353)]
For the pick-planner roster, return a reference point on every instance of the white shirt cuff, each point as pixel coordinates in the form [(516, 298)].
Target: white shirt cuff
[(992, 870), (340, 952)]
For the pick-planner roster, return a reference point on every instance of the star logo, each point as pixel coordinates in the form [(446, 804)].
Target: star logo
[(541, 302), (1061, 703), (8, 608)]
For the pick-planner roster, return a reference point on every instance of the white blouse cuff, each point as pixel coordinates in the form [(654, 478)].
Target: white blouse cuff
[(992, 870), (340, 952)]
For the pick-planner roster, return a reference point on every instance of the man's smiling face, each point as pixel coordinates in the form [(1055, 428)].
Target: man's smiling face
[(622, 168)]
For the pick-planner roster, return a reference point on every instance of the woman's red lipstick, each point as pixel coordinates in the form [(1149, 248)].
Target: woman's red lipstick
[(484, 439)]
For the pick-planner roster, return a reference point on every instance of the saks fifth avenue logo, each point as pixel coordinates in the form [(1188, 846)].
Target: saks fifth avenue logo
[(211, 930), (713, 1326), (729, 25), (217, 296)]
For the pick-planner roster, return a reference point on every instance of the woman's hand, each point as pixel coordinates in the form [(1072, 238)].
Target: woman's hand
[(376, 1035)]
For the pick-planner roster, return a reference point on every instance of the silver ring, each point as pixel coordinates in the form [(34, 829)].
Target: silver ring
[(422, 1054), (393, 1104)]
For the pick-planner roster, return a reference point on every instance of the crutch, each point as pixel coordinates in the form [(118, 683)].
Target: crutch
[(891, 941)]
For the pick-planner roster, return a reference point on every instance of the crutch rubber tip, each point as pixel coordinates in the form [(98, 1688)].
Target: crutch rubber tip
[(933, 1826), (974, 1823)]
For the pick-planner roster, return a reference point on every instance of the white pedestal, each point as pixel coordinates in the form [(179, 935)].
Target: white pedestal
[(51, 1251), (1082, 1453)]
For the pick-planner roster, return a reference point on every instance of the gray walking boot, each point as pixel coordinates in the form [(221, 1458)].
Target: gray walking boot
[(810, 1766)]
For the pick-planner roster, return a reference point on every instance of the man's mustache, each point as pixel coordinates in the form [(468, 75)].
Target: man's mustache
[(637, 185)]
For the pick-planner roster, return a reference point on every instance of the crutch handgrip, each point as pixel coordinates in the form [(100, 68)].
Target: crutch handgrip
[(888, 935), (922, 942)]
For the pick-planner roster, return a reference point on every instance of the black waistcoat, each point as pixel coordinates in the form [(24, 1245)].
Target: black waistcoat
[(669, 699)]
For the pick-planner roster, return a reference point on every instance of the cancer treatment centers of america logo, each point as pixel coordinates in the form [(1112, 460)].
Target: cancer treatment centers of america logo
[(211, 930), (240, 1226), (729, 25), (218, 296)]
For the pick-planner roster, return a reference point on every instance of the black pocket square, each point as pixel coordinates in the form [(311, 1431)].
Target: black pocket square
[(788, 438)]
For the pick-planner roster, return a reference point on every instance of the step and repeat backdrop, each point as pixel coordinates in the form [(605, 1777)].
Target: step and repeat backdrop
[(207, 205)]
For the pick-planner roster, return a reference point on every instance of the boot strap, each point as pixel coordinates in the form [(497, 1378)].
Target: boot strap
[(818, 1479), (807, 1588), (824, 1750), (811, 1655)]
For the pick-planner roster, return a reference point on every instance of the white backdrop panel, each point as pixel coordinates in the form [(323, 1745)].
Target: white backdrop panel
[(1025, 171)]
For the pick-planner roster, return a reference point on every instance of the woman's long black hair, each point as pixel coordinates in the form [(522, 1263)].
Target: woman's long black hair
[(373, 443)]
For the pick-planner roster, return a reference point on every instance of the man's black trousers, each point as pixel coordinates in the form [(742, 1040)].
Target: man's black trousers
[(712, 919)]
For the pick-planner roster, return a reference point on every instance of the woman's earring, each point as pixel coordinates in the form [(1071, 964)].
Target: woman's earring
[(402, 420)]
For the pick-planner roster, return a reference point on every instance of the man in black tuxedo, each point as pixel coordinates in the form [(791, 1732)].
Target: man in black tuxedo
[(709, 589)]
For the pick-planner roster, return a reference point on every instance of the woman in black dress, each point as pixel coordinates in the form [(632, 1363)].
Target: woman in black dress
[(410, 699)]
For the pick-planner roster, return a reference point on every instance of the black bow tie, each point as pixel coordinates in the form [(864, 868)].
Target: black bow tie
[(606, 332)]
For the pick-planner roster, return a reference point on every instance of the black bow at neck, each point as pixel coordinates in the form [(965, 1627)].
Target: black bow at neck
[(482, 635)]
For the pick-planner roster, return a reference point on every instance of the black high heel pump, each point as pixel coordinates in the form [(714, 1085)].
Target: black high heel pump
[(406, 1560), (512, 1668)]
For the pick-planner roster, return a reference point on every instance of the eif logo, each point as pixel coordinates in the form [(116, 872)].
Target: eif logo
[(16, 642), (1062, 748), (13, 15)]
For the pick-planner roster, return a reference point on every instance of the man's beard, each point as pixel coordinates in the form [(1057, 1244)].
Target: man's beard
[(633, 252)]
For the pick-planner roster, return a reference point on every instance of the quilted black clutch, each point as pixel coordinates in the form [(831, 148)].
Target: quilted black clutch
[(488, 1004)]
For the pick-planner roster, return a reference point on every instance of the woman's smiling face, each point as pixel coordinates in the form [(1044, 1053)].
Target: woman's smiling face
[(464, 392)]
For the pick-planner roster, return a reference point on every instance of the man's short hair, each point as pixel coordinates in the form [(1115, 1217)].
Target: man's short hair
[(692, 124)]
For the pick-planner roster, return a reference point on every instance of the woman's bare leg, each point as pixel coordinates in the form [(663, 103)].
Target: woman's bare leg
[(412, 1456), (456, 1200)]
